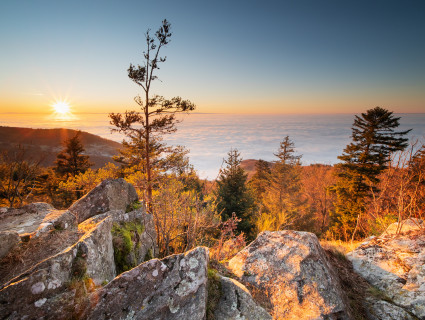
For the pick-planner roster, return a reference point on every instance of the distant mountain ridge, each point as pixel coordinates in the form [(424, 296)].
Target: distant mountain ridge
[(44, 144)]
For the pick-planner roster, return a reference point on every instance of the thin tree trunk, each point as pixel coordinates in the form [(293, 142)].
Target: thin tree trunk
[(148, 160)]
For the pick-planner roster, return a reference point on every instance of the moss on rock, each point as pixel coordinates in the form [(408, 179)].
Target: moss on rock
[(126, 240)]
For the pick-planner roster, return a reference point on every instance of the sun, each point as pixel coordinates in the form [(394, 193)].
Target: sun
[(61, 107)]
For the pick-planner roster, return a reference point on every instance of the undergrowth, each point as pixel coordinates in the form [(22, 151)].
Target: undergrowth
[(214, 292)]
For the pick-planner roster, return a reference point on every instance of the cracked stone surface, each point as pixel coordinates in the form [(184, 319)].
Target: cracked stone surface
[(236, 303), (171, 288), (26, 219), (383, 310), (46, 289), (109, 195), (290, 269), (395, 265)]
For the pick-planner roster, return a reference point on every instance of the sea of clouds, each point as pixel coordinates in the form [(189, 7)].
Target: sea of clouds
[(320, 138)]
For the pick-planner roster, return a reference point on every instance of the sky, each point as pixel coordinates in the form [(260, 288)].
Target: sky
[(303, 56)]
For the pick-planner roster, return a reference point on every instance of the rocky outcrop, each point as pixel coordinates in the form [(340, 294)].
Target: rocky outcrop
[(58, 287), (383, 310), (8, 241), (171, 288), (290, 270), (404, 226), (26, 219), (56, 220), (107, 196), (396, 266), (236, 302)]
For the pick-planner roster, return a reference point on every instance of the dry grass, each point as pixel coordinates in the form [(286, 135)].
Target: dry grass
[(354, 286), (341, 247)]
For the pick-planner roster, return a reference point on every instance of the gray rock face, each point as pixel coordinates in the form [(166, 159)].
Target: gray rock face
[(172, 288), (8, 241), (147, 240), (56, 219), (26, 219), (236, 303), (396, 266), (383, 310), (108, 195), (49, 289), (290, 269), (57, 287)]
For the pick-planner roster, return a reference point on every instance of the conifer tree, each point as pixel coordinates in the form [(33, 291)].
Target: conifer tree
[(157, 115), (71, 160), (233, 194), (283, 199), (364, 159), (260, 180)]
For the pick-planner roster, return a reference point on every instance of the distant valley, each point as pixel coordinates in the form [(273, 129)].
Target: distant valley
[(44, 144)]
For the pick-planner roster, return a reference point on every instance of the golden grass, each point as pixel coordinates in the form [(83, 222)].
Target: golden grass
[(339, 246)]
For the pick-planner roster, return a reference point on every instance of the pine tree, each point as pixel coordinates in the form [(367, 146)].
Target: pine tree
[(233, 194), (260, 180), (157, 115), (364, 159), (71, 160), (283, 199)]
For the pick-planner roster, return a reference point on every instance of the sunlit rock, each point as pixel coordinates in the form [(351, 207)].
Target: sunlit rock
[(396, 266), (26, 219), (108, 195), (290, 270), (404, 226)]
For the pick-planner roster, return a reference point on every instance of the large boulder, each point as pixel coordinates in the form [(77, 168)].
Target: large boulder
[(171, 288), (49, 289), (26, 219), (396, 266), (404, 226), (109, 195), (291, 271), (8, 241), (236, 303), (56, 287)]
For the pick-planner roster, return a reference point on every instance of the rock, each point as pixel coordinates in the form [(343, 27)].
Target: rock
[(107, 196), (8, 241), (404, 226), (58, 286), (56, 220), (171, 288), (237, 303), (291, 271), (396, 266), (383, 310), (144, 245), (54, 286), (26, 219)]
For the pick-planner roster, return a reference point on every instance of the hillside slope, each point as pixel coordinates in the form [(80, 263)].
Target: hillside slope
[(44, 144)]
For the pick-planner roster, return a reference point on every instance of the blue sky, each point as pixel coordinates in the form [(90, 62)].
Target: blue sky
[(226, 56)]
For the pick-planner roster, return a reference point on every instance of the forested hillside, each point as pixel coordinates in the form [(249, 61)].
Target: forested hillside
[(44, 144)]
